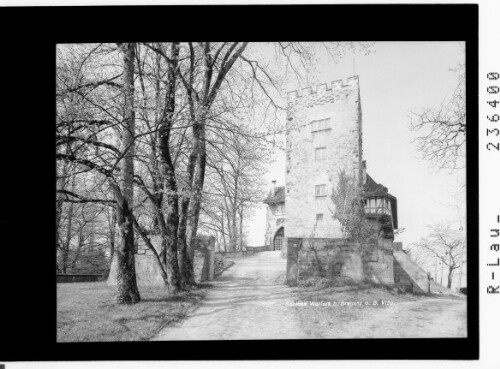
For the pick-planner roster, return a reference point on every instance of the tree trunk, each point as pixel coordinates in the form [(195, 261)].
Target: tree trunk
[(241, 227), (128, 292), (209, 90), (234, 233), (186, 266), (78, 249), (450, 275), (172, 223), (67, 244), (195, 204), (229, 230), (184, 259), (234, 219), (169, 178), (223, 232), (235, 206), (112, 234), (59, 204)]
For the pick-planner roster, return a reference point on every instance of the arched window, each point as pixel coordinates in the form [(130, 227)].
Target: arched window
[(278, 239)]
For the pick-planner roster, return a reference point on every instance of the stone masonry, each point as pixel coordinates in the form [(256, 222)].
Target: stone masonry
[(147, 269), (306, 168), (324, 137), (340, 259)]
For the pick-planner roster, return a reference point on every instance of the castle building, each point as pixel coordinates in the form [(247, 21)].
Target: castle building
[(275, 218), (323, 140)]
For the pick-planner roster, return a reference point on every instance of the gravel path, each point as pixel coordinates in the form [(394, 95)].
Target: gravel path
[(247, 302)]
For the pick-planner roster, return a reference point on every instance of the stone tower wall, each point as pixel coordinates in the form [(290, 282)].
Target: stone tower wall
[(339, 101), (317, 248)]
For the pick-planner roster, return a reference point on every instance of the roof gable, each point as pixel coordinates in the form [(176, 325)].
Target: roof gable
[(372, 188), (277, 198)]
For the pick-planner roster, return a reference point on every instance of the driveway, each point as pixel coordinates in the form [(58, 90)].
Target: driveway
[(247, 302)]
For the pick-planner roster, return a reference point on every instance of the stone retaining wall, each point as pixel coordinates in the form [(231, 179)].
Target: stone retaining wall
[(339, 259), (260, 248), (69, 278), (235, 254), (147, 269)]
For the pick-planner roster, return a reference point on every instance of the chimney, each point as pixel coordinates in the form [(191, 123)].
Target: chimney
[(363, 171), (274, 187)]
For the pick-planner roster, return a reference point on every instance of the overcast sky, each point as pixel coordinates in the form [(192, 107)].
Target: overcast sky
[(395, 79)]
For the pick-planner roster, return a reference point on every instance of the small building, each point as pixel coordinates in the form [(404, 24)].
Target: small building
[(379, 204), (275, 218)]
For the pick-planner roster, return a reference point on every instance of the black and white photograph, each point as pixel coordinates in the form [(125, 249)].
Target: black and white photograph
[(251, 184), (261, 190)]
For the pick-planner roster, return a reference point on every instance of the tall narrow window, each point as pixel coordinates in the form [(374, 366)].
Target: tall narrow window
[(320, 190), (320, 153)]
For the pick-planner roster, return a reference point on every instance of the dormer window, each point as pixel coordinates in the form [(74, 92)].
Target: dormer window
[(320, 125)]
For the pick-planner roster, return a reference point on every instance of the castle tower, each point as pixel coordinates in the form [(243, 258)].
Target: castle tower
[(323, 138)]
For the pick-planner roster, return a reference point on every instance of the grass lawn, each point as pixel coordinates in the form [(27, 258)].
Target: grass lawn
[(87, 312)]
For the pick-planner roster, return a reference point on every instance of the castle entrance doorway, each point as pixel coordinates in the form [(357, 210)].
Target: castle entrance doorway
[(278, 239)]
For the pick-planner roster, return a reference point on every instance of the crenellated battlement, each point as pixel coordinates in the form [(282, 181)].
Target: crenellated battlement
[(323, 88)]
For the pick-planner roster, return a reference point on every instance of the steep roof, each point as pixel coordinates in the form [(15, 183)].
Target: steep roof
[(372, 188), (277, 198)]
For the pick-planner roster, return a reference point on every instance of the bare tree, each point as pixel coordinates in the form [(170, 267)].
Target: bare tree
[(85, 120), (443, 128), (234, 185), (445, 244), (155, 124), (348, 209), (126, 278), (65, 246), (208, 71)]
